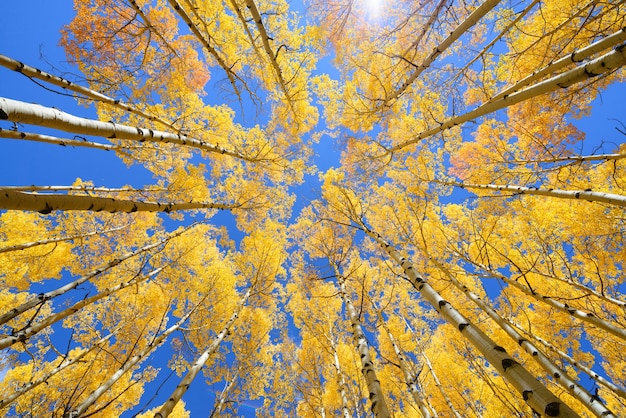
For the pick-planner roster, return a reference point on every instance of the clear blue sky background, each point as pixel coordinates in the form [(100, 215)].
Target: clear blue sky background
[(29, 32)]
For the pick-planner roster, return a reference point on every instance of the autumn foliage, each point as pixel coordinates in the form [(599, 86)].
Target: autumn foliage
[(464, 255)]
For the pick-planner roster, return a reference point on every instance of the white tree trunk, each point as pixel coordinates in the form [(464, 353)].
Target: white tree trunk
[(470, 21), (536, 395), (46, 203), (43, 297), (610, 198), (560, 375), (563, 307), (26, 245), (64, 142), (182, 387), (340, 378), (32, 72), (34, 114), (378, 403), (607, 62), (128, 365), (410, 379), (68, 361), (575, 57), (26, 333)]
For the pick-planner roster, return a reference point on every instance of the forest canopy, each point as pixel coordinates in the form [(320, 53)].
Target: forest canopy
[(355, 208)]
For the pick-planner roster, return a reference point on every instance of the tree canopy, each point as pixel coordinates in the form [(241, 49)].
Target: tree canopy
[(357, 208)]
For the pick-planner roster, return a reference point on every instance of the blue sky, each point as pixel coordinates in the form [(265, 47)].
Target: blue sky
[(30, 33)]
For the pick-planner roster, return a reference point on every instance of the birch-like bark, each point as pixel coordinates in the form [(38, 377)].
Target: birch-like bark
[(68, 361), (36, 73), (470, 21), (43, 297), (377, 399), (610, 198), (572, 159), (34, 114), (340, 378), (182, 387), (19, 247), (232, 77), (46, 203), (563, 307), (573, 58), (429, 365), (24, 334), (503, 32), (410, 379), (560, 375), (221, 400), (271, 55), (128, 365), (610, 386), (536, 395), (596, 67), (64, 142)]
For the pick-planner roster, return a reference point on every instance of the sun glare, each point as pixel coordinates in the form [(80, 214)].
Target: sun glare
[(374, 9)]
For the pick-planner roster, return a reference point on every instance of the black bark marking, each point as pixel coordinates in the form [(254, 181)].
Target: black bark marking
[(553, 409), (508, 363), (498, 348), (527, 394), (46, 210), (463, 326), (3, 115), (442, 303), (522, 341)]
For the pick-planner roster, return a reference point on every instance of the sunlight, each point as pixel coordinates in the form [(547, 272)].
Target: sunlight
[(373, 9)]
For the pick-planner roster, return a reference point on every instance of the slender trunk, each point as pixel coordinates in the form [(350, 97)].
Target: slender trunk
[(434, 375), (616, 390), (64, 142), (232, 77), (271, 55), (607, 62), (128, 365), (470, 21), (32, 72), (410, 379), (34, 114), (31, 330), (67, 361), (219, 404), (560, 375), (340, 378), (379, 405), (182, 387), (563, 307), (46, 203), (536, 395), (610, 198), (575, 57), (43, 297), (20, 247)]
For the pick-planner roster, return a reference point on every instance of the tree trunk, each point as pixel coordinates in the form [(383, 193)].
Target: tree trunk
[(34, 114), (128, 365), (561, 376), (379, 405), (43, 297), (536, 395), (610, 198), (410, 379), (31, 330), (600, 65), (46, 203), (182, 387)]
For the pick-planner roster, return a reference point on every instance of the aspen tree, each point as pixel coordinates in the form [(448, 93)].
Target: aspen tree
[(377, 399)]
